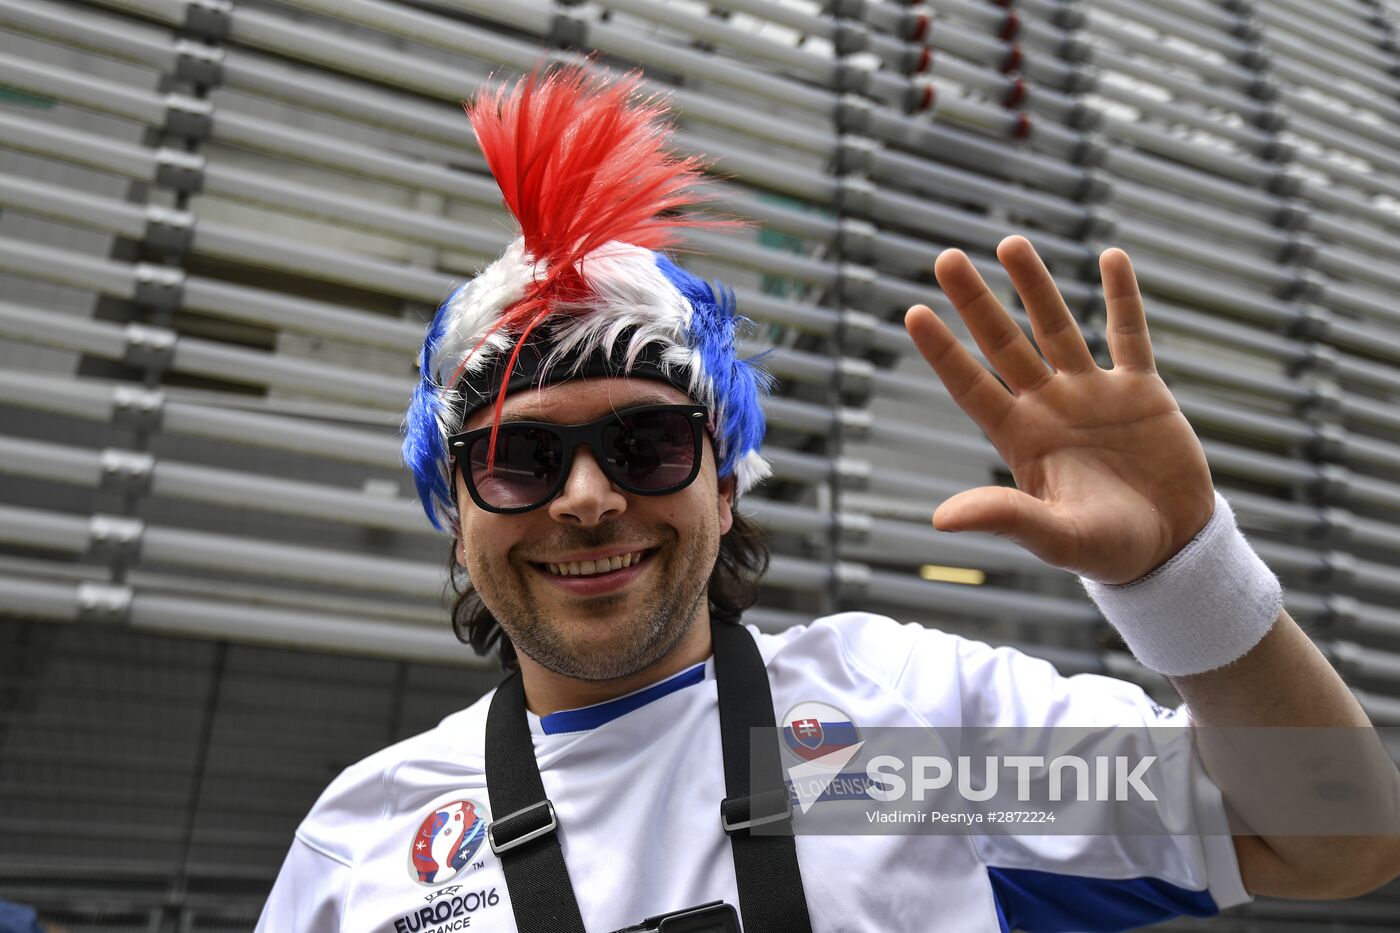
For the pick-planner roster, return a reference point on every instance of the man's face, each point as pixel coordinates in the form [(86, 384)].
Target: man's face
[(601, 628)]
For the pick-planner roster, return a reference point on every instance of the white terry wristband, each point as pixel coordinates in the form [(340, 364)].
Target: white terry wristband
[(1207, 606)]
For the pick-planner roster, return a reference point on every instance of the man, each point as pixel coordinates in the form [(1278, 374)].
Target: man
[(584, 429)]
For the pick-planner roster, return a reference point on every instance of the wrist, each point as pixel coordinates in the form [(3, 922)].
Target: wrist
[(1208, 605)]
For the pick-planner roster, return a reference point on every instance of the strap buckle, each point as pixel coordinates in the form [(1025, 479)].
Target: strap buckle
[(532, 810), (714, 917), (755, 810)]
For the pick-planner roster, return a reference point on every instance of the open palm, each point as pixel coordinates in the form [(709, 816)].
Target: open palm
[(1111, 480)]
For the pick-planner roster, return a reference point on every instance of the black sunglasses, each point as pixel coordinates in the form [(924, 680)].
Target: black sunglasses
[(650, 450)]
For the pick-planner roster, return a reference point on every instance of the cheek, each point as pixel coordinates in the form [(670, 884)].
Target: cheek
[(698, 516), (486, 544)]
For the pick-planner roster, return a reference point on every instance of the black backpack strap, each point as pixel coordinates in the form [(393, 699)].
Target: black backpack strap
[(524, 830), (771, 896)]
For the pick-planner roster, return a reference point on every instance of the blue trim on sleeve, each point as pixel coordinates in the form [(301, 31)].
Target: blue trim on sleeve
[(1047, 902), (591, 717)]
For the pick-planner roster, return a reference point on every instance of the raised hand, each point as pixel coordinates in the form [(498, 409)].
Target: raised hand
[(1111, 480)]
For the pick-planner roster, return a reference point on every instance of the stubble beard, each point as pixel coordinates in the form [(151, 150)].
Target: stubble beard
[(656, 626)]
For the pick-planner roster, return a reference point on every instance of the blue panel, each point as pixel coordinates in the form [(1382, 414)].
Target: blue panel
[(1046, 902)]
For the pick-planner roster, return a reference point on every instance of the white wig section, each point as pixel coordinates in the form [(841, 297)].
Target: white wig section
[(629, 291), (477, 306), (750, 470)]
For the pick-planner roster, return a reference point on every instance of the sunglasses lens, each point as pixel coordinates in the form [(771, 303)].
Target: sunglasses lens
[(525, 470), (651, 450)]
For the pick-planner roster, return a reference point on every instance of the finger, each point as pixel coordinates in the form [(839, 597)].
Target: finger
[(1056, 332), (1128, 342), (984, 399), (1001, 510), (998, 335)]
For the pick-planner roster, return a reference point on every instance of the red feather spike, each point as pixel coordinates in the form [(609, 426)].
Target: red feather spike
[(581, 162)]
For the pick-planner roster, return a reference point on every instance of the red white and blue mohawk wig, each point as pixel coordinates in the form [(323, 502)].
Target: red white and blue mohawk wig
[(582, 292)]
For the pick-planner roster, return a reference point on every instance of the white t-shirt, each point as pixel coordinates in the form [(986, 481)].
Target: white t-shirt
[(636, 783)]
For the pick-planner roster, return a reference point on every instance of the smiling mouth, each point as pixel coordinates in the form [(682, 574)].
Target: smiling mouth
[(598, 568)]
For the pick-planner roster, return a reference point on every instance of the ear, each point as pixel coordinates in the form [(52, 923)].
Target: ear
[(459, 552), (726, 504)]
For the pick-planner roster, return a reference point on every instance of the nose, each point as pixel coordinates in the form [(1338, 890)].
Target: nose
[(588, 496)]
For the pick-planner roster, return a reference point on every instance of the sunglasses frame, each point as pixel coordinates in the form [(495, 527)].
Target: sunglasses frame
[(574, 436)]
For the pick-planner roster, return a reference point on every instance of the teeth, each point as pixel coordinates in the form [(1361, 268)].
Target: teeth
[(579, 568)]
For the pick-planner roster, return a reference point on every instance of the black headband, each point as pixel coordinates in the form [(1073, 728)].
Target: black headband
[(479, 389)]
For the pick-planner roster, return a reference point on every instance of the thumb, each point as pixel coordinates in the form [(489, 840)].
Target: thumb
[(1011, 514)]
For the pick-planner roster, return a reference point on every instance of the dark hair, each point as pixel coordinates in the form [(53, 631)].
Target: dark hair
[(740, 565)]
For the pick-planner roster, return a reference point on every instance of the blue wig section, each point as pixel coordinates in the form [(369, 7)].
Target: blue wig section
[(423, 450), (739, 384)]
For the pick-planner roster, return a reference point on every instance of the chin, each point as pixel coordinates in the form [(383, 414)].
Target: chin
[(604, 650), (614, 652)]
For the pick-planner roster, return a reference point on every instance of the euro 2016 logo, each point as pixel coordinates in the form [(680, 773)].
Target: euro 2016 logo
[(446, 841)]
